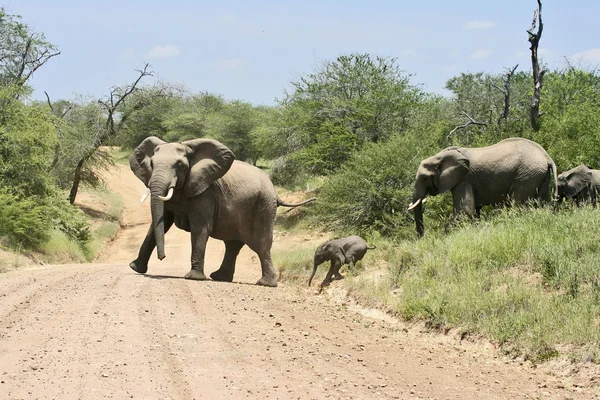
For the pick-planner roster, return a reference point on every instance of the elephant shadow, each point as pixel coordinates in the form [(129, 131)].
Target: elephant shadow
[(161, 277)]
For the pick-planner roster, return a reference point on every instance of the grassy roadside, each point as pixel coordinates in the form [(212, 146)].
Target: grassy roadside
[(528, 279), (102, 209)]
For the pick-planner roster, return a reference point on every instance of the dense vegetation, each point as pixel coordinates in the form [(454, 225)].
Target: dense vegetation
[(360, 125)]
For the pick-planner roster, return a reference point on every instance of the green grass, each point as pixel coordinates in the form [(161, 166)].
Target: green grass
[(294, 264), (120, 156), (528, 279)]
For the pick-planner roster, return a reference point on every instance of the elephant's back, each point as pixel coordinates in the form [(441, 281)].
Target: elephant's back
[(246, 204)]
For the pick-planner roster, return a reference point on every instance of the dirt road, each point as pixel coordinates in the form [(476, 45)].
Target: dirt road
[(100, 331)]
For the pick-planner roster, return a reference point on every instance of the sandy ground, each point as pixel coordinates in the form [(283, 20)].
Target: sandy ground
[(101, 331)]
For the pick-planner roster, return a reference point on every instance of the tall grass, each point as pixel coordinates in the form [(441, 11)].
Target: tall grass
[(529, 278)]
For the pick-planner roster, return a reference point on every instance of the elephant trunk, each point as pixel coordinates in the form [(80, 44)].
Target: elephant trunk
[(158, 188), (318, 260), (418, 210)]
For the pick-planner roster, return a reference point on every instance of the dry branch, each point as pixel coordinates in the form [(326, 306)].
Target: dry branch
[(538, 73), (470, 122), (506, 92)]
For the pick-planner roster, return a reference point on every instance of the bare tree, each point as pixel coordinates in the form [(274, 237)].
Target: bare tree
[(506, 92), (470, 122), (116, 114), (538, 73)]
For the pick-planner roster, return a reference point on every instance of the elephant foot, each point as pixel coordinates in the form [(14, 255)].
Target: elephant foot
[(271, 282), (338, 277), (138, 267), (195, 275), (221, 276)]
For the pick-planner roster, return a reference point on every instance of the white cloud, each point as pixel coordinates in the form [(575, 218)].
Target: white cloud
[(407, 53), (166, 51), (230, 63), (479, 25), (481, 54), (591, 56), (520, 54)]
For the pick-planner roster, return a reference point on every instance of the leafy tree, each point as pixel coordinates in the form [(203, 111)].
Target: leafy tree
[(22, 51), (369, 99)]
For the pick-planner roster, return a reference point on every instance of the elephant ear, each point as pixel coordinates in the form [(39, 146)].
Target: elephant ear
[(453, 168), (139, 160), (209, 161), (577, 181)]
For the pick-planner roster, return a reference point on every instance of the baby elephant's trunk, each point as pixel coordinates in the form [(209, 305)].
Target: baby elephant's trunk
[(313, 273)]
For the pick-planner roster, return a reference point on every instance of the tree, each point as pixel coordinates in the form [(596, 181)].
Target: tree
[(538, 73), (22, 52), (110, 115), (358, 96)]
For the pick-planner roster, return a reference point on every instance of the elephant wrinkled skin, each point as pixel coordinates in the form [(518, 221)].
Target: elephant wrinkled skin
[(348, 250), (198, 186), (514, 169), (581, 183)]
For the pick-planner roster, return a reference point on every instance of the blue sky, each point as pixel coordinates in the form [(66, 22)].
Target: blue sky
[(251, 50)]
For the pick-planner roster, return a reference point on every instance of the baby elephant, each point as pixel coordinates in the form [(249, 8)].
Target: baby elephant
[(580, 183), (342, 251)]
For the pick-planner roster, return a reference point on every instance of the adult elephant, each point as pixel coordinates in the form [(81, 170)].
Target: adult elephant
[(514, 169), (581, 183), (198, 186)]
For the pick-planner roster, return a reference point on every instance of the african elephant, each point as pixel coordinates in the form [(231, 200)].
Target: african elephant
[(348, 250), (198, 186), (514, 169), (580, 183)]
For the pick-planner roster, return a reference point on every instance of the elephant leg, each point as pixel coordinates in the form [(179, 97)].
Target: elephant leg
[(227, 268), (140, 264), (478, 212), (269, 276), (334, 268), (199, 240)]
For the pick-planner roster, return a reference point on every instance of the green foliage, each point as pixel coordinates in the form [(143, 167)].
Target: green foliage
[(233, 126), (345, 104), (526, 277), (570, 121), (23, 51), (371, 191)]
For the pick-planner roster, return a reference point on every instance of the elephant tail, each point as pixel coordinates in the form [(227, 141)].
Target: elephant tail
[(283, 203)]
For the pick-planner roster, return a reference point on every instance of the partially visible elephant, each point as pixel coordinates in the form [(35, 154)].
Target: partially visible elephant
[(348, 250), (580, 183), (514, 169), (198, 186)]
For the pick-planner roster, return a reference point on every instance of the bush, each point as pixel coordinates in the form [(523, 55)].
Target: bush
[(371, 191), (526, 277)]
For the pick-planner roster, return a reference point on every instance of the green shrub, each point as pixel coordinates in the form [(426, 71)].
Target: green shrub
[(526, 277), (371, 191)]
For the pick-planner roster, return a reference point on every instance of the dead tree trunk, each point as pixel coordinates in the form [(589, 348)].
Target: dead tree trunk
[(506, 92), (538, 73)]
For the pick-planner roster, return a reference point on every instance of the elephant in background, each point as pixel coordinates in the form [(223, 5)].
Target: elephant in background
[(198, 186), (348, 250), (514, 169), (581, 183)]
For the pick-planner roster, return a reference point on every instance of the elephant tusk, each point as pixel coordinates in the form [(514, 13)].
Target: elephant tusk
[(412, 206), (425, 200), (145, 195), (168, 196)]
